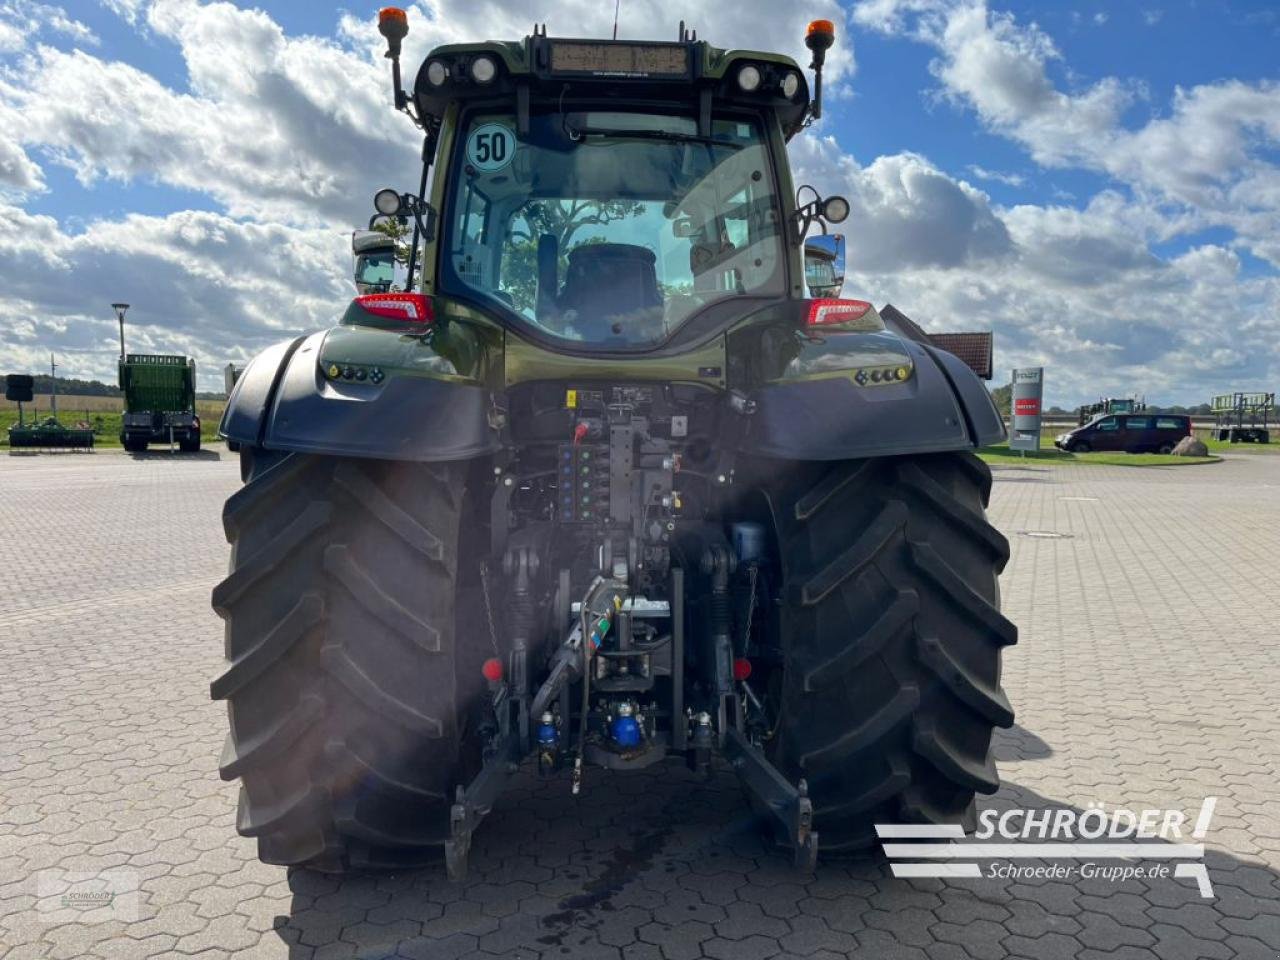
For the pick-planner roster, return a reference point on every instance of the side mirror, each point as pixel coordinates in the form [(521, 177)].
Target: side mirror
[(824, 259)]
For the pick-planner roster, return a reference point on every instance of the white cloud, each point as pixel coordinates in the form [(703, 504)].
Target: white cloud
[(1008, 179), (19, 174), (1193, 160), (275, 128), (21, 20), (202, 284), (911, 213)]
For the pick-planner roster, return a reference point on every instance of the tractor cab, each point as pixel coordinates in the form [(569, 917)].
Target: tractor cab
[(609, 195), (374, 254), (824, 265)]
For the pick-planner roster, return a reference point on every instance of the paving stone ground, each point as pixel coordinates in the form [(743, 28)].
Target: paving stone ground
[(1147, 675)]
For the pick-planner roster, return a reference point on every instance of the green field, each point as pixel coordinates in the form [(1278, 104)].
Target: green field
[(1001, 454), (102, 415)]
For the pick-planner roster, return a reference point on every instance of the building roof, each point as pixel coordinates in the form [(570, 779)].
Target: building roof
[(974, 349)]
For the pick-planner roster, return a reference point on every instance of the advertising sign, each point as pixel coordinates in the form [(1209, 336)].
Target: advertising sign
[(1028, 391)]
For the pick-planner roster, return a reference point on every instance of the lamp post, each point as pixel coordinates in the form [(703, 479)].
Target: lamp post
[(120, 308)]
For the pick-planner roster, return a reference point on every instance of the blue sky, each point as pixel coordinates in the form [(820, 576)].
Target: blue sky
[(1098, 182)]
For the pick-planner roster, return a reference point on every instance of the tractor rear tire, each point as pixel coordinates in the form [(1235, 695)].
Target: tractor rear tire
[(350, 687), (892, 635), (190, 444)]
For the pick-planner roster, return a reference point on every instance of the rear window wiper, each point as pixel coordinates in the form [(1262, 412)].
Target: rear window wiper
[(668, 135)]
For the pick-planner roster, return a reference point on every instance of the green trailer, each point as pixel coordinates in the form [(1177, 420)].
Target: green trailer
[(159, 401)]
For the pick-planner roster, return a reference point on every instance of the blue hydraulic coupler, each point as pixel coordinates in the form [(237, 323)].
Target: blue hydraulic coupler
[(625, 729), (548, 736)]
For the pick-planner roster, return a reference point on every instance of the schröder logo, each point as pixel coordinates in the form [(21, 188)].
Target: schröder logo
[(1096, 843)]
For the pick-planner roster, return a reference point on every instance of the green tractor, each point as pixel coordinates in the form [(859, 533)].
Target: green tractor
[(602, 488)]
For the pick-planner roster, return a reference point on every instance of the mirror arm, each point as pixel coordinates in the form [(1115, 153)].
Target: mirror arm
[(420, 229)]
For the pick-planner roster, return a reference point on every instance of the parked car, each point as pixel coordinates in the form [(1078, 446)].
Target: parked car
[(1132, 433)]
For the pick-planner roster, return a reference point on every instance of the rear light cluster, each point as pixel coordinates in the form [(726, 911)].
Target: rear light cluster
[(828, 311), (406, 307)]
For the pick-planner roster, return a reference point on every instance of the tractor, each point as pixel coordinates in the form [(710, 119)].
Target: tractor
[(602, 487)]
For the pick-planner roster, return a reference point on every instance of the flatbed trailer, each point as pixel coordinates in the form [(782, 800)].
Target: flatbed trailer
[(1243, 417)]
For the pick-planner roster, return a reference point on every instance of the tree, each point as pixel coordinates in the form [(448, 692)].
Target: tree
[(563, 218), (400, 233), (1003, 398)]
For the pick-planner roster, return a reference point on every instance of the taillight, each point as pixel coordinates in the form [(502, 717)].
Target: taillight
[(407, 307), (828, 311)]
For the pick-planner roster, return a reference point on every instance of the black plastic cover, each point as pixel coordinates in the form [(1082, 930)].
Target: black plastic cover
[(985, 423), (943, 407), (404, 418), (246, 410)]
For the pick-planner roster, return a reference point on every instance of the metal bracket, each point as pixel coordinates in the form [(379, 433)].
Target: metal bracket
[(472, 804), (790, 806)]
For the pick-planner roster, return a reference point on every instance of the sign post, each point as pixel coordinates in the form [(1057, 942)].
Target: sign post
[(1028, 393)]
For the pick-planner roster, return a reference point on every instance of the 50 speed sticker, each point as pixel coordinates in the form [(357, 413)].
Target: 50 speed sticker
[(491, 146)]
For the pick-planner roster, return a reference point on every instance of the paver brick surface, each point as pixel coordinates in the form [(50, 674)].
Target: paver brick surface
[(1145, 676)]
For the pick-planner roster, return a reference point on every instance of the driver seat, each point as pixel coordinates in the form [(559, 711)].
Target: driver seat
[(609, 282)]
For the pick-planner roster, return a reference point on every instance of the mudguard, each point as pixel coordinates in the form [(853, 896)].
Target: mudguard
[(942, 407), (283, 401)]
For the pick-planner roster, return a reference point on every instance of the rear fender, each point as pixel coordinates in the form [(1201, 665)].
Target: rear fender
[(831, 409), (418, 406)]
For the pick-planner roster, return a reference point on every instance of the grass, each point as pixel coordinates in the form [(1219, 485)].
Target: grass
[(1222, 446), (102, 414), (1001, 454)]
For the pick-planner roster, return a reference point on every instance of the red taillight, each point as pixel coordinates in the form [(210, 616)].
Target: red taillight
[(408, 307), (828, 311)]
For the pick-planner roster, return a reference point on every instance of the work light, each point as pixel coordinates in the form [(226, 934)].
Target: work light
[(386, 201), (483, 69)]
